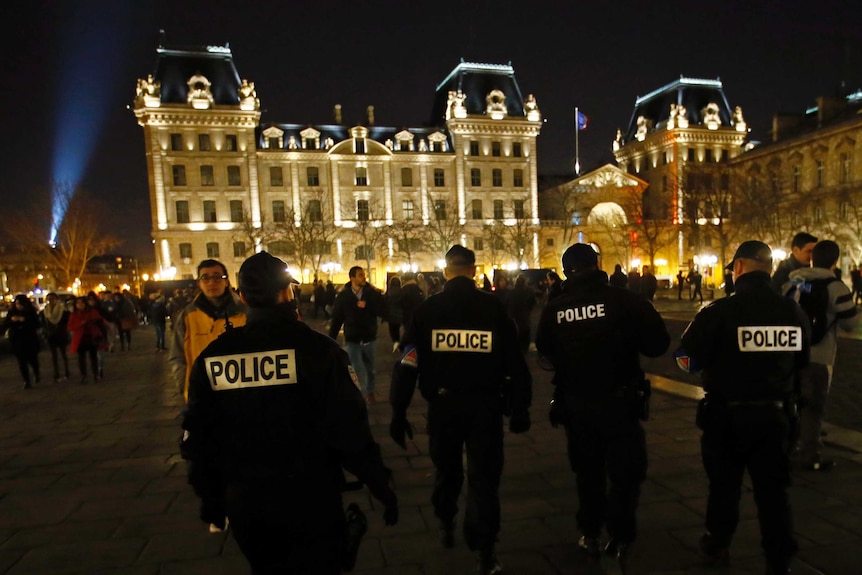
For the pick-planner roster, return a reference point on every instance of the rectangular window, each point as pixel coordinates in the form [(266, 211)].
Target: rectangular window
[(278, 213), (204, 142), (404, 145), (407, 177), (176, 142), (475, 177), (186, 251), (477, 209), (276, 176), (272, 143), (439, 177), (207, 178), (238, 249), (497, 178), (233, 178), (361, 176), (516, 150), (519, 209), (212, 249), (210, 211), (281, 248), (364, 252), (359, 146), (440, 210), (308, 144), (474, 148), (549, 242), (312, 176), (498, 209), (236, 212), (362, 210), (795, 178), (496, 149), (407, 209), (708, 155), (179, 173), (182, 212), (230, 143), (315, 214), (844, 176), (518, 178), (843, 210), (819, 173), (691, 154), (478, 245)]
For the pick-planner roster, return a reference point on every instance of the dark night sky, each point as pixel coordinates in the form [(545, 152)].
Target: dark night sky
[(306, 56)]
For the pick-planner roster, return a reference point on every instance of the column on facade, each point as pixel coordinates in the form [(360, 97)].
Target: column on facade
[(336, 191), (387, 190), (254, 190), (459, 181), (157, 155), (294, 189), (534, 179), (423, 190)]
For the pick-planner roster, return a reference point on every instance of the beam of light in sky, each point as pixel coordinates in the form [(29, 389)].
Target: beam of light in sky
[(92, 50)]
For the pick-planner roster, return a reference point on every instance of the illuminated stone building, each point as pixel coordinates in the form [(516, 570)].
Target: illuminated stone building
[(681, 140), (223, 184), (808, 177)]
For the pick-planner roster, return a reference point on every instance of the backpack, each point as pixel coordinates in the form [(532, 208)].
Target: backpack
[(813, 298)]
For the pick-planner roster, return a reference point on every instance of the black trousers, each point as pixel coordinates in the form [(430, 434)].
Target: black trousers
[(607, 452), (28, 358), (756, 439), (473, 421)]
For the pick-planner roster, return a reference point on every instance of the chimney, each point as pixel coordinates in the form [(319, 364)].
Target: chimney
[(336, 112), (828, 108), (370, 111), (784, 124)]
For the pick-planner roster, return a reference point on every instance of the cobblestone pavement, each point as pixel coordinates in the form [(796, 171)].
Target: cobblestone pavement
[(91, 483)]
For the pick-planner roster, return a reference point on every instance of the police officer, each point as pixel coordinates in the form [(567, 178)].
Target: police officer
[(464, 349), (274, 414), (592, 335), (750, 347)]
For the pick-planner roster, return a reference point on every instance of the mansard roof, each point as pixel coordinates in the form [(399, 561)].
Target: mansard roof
[(693, 93), (477, 81), (176, 65), (341, 132)]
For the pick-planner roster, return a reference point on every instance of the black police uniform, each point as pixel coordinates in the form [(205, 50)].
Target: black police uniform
[(273, 415), (592, 334), (750, 347), (469, 368)]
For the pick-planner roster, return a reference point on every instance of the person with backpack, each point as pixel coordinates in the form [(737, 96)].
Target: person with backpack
[(828, 303)]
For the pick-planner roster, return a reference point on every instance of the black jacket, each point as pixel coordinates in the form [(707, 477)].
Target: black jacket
[(465, 342), (742, 342), (593, 335), (274, 414), (360, 324)]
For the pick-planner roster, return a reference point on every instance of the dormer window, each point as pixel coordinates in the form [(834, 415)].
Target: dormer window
[(274, 138), (404, 140), (361, 176), (310, 139), (359, 146), (438, 142)]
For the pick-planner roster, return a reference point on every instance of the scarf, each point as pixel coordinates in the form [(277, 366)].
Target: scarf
[(54, 312)]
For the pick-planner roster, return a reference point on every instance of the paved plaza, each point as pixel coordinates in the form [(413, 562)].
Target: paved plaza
[(91, 482)]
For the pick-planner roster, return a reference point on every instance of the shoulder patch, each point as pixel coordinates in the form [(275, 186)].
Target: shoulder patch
[(410, 358)]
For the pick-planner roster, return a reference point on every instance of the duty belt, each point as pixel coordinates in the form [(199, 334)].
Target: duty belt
[(774, 403)]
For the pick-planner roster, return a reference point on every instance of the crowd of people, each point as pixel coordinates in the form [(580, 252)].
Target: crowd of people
[(765, 355)]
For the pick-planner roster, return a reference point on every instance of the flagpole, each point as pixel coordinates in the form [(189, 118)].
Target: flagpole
[(577, 160)]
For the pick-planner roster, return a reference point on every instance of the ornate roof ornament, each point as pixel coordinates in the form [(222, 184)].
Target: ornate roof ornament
[(496, 104), (738, 121), (618, 141), (456, 106), (531, 107), (149, 92), (248, 96), (200, 95), (711, 119)]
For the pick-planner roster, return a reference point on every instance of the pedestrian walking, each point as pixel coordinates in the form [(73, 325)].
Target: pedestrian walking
[(618, 278), (829, 305), (649, 284), (411, 298), (215, 310), (55, 320), (266, 450), (22, 323), (394, 311), (750, 348), (592, 336), (522, 300), (126, 319), (89, 332), (856, 284), (462, 347), (801, 247), (158, 314), (680, 284), (696, 280), (357, 308)]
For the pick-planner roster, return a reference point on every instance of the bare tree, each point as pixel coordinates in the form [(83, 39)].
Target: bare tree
[(408, 237), (710, 193), (310, 233), (253, 236), (79, 238), (653, 228), (566, 204), (494, 235), (444, 227), (763, 208), (519, 232)]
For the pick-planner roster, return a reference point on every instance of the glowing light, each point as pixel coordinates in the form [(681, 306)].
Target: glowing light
[(146, 277), (636, 263), (779, 254), (661, 262), (441, 263)]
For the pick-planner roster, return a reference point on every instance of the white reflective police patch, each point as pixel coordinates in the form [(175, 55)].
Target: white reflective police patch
[(591, 311), (461, 340), (769, 338), (259, 369)]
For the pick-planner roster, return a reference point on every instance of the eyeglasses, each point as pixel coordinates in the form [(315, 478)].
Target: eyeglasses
[(212, 278)]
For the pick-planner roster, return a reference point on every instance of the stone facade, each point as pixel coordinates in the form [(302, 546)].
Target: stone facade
[(223, 185)]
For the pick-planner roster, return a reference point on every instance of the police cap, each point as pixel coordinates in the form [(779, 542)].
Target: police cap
[(579, 257), (459, 256), (752, 250), (262, 277)]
